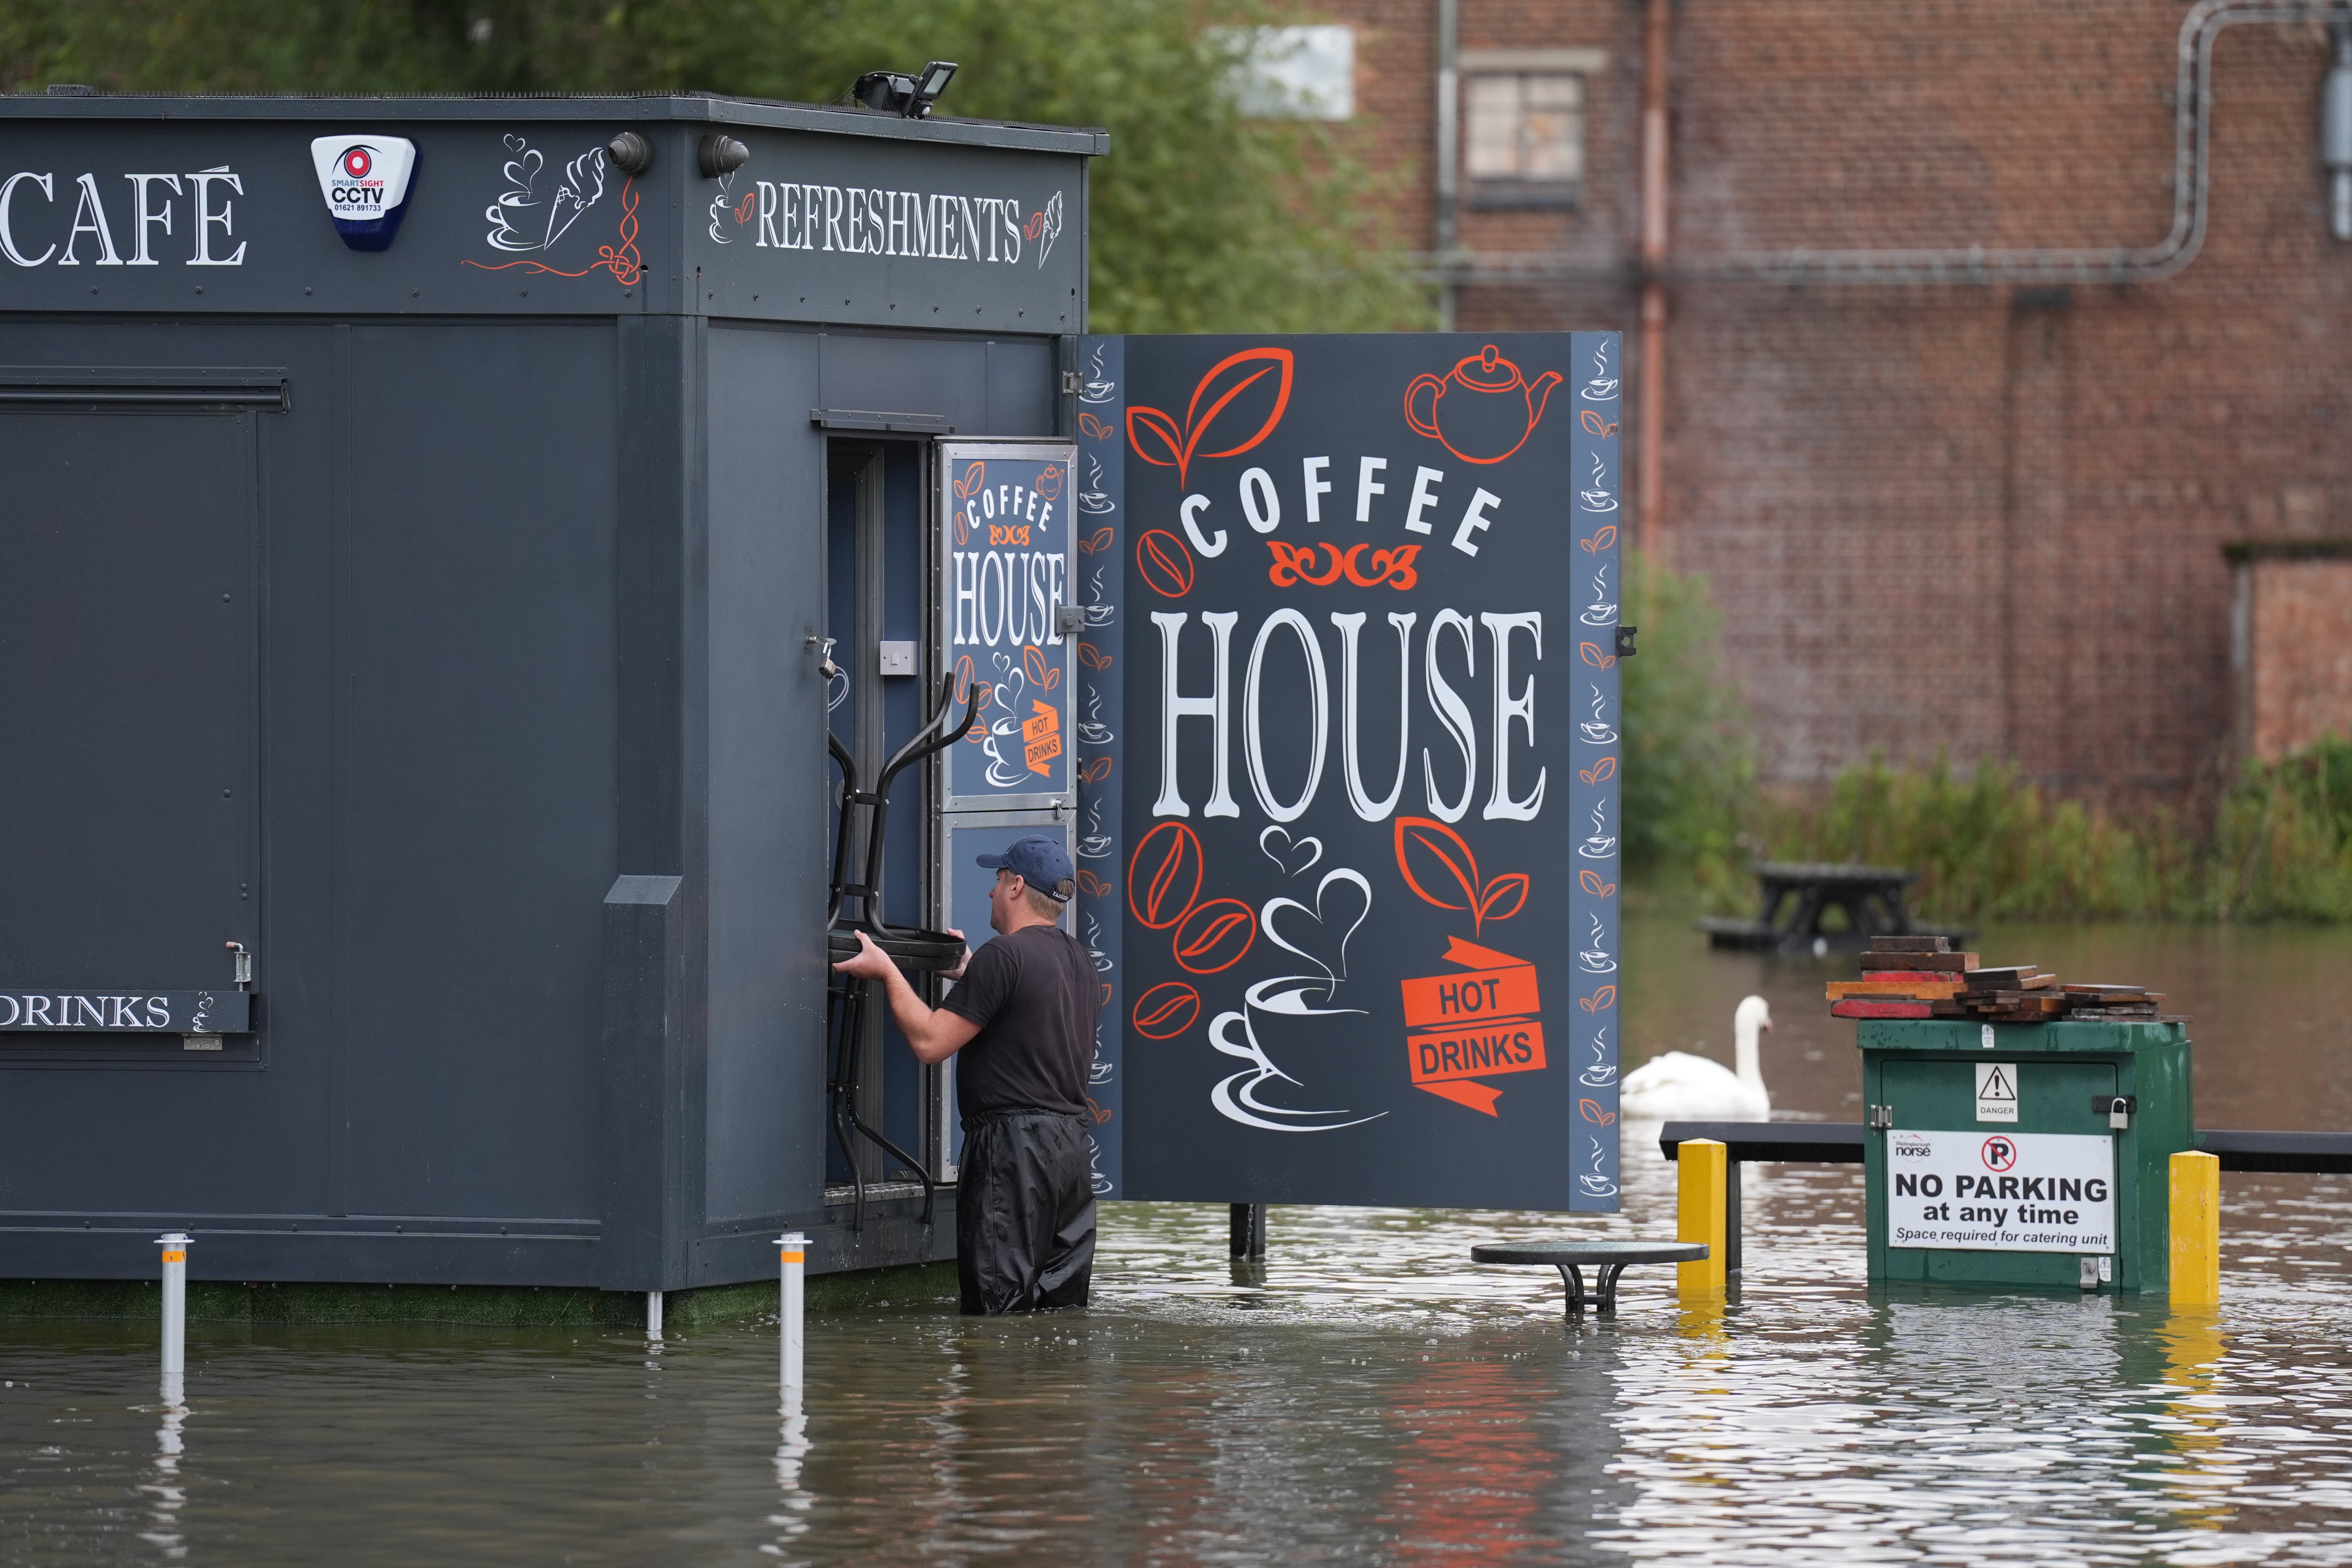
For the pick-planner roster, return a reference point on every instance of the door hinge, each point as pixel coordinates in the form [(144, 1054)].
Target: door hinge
[(1881, 1118), (1069, 383)]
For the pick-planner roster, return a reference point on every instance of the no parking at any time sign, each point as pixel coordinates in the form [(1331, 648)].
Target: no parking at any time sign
[(2002, 1192)]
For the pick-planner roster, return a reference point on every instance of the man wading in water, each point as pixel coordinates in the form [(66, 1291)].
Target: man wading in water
[(1023, 1015)]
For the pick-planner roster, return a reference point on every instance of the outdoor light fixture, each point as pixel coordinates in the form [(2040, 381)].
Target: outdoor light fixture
[(889, 92), (631, 153), (2336, 130), (721, 155)]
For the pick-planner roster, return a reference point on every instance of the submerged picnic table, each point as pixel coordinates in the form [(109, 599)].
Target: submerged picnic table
[(1796, 894), (1612, 1257)]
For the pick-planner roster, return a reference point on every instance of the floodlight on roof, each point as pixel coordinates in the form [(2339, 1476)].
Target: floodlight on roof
[(894, 92)]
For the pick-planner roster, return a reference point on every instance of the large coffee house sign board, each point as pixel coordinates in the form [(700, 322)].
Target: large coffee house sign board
[(1348, 751)]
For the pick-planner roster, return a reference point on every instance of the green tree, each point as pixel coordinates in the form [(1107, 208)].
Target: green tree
[(1690, 770), (1202, 221)]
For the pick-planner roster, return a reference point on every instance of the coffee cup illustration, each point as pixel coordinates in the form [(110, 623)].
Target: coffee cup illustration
[(1313, 1042), (1482, 410)]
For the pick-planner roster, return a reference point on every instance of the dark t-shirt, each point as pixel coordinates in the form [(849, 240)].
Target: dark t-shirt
[(1034, 996)]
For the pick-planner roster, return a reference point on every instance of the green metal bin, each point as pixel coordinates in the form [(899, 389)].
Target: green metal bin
[(2006, 1155)]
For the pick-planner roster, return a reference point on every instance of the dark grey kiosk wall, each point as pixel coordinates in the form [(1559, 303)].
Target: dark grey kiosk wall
[(441, 623)]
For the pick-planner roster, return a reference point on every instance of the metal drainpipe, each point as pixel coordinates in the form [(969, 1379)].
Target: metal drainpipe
[(1449, 27), (2336, 130), (1653, 267)]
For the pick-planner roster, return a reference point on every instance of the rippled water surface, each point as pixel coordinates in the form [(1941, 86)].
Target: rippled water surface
[(1366, 1396)]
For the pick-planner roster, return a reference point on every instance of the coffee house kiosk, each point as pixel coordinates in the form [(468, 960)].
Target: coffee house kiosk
[(440, 533)]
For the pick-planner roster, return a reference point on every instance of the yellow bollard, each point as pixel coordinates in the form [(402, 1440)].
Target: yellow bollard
[(2196, 1229), (1702, 1165)]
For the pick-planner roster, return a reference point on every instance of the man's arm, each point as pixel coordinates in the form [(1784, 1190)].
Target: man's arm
[(932, 1034)]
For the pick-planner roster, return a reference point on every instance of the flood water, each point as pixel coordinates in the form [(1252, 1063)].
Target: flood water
[(1367, 1395)]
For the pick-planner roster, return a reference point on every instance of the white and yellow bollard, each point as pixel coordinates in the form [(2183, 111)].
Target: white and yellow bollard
[(2196, 1229), (176, 1315), (1703, 1167), (793, 1255)]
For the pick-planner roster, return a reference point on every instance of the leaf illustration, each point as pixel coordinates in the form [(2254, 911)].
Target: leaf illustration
[(1163, 434), (1101, 540), (1093, 657), (968, 485), (1033, 665), (1596, 425), (1600, 541), (1443, 854), (1225, 381), (1096, 771), (1594, 885), (1590, 653), (1094, 429), (1591, 1110), (1093, 887), (1604, 997), (1510, 890), (1197, 419), (1606, 768)]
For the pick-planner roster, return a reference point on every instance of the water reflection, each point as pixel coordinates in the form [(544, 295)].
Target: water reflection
[(2193, 1418), (794, 1502), (166, 1496)]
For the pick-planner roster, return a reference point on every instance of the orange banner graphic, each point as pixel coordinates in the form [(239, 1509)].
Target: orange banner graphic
[(1042, 737), (1472, 1023)]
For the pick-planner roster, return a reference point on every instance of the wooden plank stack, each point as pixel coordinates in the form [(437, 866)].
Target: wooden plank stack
[(2018, 993), (2120, 1002), (1902, 977), (1922, 977)]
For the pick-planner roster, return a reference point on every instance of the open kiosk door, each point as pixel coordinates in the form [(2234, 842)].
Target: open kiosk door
[(1008, 630)]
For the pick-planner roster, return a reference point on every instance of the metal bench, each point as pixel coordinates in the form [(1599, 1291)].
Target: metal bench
[(1611, 1258)]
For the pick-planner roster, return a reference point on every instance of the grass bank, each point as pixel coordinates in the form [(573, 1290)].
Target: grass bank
[(1988, 844)]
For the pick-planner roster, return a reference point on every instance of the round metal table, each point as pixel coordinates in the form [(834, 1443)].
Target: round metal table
[(1611, 1258)]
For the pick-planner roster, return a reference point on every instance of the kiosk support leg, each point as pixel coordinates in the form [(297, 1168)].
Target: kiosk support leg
[(1248, 1231)]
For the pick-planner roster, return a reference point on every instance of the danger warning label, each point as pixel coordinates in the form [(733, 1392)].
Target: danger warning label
[(2002, 1192), (1996, 1091)]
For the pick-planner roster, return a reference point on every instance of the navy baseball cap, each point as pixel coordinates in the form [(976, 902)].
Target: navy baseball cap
[(1038, 860)]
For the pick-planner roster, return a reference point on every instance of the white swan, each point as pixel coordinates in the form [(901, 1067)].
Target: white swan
[(1679, 1086)]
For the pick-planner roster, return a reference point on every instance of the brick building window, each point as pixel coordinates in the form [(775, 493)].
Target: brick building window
[(1523, 125)]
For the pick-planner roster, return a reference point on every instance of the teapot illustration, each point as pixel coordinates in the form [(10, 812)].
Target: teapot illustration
[(1494, 408)]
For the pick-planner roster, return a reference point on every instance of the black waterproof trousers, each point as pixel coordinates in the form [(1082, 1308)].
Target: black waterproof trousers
[(1024, 1213)]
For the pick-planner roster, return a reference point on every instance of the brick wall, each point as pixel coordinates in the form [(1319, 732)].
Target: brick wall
[(1961, 515)]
